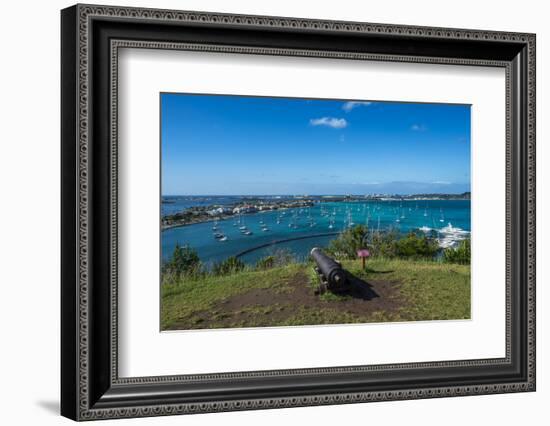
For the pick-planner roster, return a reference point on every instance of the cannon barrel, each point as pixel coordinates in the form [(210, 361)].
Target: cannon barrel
[(331, 270)]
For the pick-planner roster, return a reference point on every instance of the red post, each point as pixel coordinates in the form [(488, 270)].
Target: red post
[(363, 254)]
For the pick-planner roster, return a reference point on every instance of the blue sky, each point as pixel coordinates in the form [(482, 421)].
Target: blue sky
[(236, 145)]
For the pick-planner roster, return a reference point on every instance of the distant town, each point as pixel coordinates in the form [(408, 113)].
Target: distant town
[(383, 197), (249, 205)]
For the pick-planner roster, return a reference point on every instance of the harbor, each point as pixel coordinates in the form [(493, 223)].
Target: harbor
[(256, 233)]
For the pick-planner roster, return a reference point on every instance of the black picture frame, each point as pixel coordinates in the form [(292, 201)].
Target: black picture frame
[(90, 386)]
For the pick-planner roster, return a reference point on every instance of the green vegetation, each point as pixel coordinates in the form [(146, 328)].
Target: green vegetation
[(460, 255), (277, 258), (187, 300), (348, 242), (406, 279), (184, 261), (267, 262), (432, 290), (228, 266), (408, 290), (383, 244), (416, 247)]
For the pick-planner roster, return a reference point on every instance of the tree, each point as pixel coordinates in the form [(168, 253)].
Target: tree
[(416, 246), (460, 254), (184, 261), (383, 244), (349, 241)]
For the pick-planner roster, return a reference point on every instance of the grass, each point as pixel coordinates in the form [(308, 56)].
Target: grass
[(191, 295), (432, 290), (414, 291)]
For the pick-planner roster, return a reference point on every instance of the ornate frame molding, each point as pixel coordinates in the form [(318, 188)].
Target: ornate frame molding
[(82, 17)]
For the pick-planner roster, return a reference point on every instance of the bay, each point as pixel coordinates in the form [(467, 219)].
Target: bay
[(299, 230)]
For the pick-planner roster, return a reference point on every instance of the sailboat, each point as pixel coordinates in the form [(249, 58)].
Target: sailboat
[(243, 226), (442, 217), (350, 219), (295, 218)]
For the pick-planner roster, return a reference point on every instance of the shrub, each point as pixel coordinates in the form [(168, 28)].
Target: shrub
[(265, 262), (383, 244), (228, 266), (184, 261), (460, 254), (348, 242), (416, 246), (276, 258)]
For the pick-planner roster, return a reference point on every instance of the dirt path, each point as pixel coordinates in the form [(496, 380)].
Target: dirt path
[(296, 302)]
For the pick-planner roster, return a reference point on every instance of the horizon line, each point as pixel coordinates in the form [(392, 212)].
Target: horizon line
[(316, 195)]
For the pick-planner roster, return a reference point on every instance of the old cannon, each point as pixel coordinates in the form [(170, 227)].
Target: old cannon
[(331, 275)]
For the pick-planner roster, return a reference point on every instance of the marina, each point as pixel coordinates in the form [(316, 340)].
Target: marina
[(252, 236)]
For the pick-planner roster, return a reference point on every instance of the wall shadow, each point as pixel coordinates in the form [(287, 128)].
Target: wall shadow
[(50, 406)]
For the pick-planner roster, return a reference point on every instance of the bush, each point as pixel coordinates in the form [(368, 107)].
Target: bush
[(383, 244), (228, 266), (184, 261), (348, 242), (265, 262), (460, 254), (417, 247)]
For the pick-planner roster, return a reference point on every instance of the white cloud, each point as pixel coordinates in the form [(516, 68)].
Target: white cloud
[(335, 123), (441, 182), (418, 127), (348, 106)]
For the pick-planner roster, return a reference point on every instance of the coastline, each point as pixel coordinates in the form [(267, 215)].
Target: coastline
[(448, 221), (216, 212)]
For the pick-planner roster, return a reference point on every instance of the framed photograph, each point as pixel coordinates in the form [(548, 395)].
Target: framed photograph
[(263, 212)]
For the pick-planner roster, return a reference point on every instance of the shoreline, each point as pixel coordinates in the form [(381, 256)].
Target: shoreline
[(204, 214), (215, 212)]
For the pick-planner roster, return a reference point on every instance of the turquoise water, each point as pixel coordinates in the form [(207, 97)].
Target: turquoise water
[(315, 221)]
